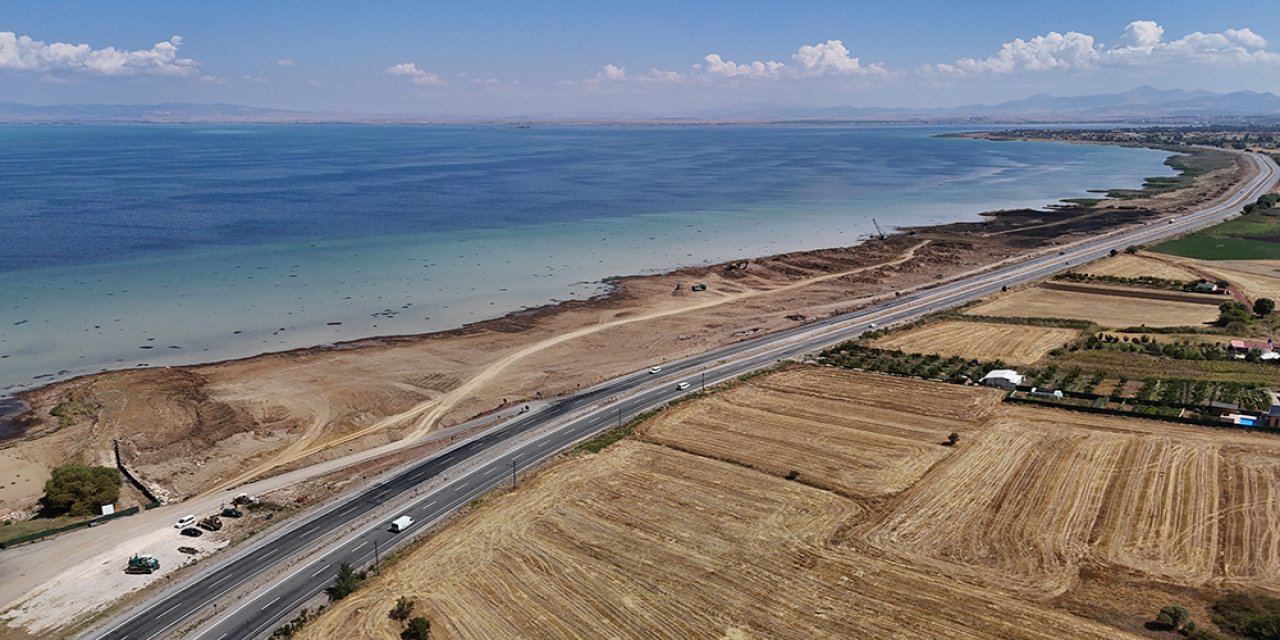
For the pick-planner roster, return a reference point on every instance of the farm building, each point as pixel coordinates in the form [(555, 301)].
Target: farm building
[(1002, 379), (1209, 287), (1244, 346), (1223, 408), (1273, 417)]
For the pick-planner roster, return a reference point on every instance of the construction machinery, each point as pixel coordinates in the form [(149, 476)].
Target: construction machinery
[(142, 563), (879, 231), (211, 523)]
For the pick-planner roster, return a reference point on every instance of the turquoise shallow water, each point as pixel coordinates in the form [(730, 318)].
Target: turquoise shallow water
[(133, 246)]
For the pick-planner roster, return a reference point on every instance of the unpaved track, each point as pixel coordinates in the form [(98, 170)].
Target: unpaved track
[(424, 416)]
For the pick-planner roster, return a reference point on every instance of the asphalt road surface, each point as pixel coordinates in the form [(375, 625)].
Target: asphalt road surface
[(580, 416)]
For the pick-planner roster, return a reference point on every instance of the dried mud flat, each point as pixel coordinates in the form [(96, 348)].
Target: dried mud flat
[(1037, 520), (1015, 344), (1106, 309)]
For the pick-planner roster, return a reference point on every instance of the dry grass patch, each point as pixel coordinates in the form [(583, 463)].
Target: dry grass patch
[(987, 341), (1127, 265), (1106, 310), (857, 433), (642, 541), (1255, 278)]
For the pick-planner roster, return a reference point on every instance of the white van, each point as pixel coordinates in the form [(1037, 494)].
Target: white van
[(400, 524), (185, 522)]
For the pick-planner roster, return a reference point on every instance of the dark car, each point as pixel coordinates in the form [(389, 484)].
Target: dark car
[(193, 532), (191, 551), (232, 512)]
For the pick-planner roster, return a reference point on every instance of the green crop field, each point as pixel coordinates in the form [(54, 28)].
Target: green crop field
[(1253, 236)]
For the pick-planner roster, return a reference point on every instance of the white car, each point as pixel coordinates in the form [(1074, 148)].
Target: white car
[(185, 521), (655, 369), (873, 325), (682, 386)]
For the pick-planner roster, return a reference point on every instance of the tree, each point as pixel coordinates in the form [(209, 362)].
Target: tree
[(1264, 306), (1173, 617), (79, 490), (1113, 252), (403, 609), (953, 439), (1230, 313), (419, 629), (346, 582)]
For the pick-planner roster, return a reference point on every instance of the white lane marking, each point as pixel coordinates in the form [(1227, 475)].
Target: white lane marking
[(271, 552), (361, 545), (322, 570), (264, 607), (221, 580), (166, 611)]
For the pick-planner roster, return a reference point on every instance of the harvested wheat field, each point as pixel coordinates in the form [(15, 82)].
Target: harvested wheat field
[(1126, 265), (1107, 310), (1016, 344), (856, 433), (1255, 278), (643, 541), (690, 529)]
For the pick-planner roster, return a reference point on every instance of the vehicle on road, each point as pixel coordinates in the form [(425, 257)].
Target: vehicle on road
[(142, 563), (185, 521), (655, 369), (192, 532), (232, 512), (400, 524), (682, 386), (873, 325)]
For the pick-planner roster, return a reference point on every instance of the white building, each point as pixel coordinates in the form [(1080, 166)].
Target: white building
[(1002, 378)]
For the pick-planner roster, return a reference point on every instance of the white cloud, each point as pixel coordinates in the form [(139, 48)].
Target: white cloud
[(416, 75), (1142, 43), (286, 62), (614, 73), (1070, 50), (831, 58), (714, 65), (22, 53), (254, 79)]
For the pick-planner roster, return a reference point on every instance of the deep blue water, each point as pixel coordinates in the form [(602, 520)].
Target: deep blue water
[(85, 194)]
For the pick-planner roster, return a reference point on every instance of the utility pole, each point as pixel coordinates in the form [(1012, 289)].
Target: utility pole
[(513, 473), (375, 558), (704, 380), (619, 416)]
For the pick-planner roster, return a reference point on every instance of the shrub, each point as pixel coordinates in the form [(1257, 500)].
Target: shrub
[(419, 629), (1173, 617), (403, 609), (953, 439), (1264, 306), (79, 490), (346, 582)]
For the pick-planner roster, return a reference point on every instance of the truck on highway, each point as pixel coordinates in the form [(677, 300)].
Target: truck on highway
[(400, 524)]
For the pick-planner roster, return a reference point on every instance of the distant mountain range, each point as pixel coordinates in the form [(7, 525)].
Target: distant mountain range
[(1141, 104)]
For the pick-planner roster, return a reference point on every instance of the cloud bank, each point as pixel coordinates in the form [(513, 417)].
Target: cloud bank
[(22, 53), (1142, 44)]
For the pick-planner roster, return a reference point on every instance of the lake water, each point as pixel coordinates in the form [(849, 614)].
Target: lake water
[(125, 246)]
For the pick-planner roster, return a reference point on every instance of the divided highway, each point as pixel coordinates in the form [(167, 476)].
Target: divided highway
[(478, 465)]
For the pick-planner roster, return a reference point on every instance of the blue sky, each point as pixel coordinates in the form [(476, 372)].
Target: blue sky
[(587, 58)]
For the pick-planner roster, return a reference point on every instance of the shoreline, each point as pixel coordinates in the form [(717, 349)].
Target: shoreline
[(615, 292)]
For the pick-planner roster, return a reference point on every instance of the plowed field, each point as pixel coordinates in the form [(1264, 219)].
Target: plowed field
[(1016, 344)]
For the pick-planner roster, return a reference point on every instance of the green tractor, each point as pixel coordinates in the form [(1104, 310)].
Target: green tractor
[(142, 564)]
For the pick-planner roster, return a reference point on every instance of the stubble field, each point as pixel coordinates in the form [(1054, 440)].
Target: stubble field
[(692, 530), (1110, 311), (1015, 344)]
